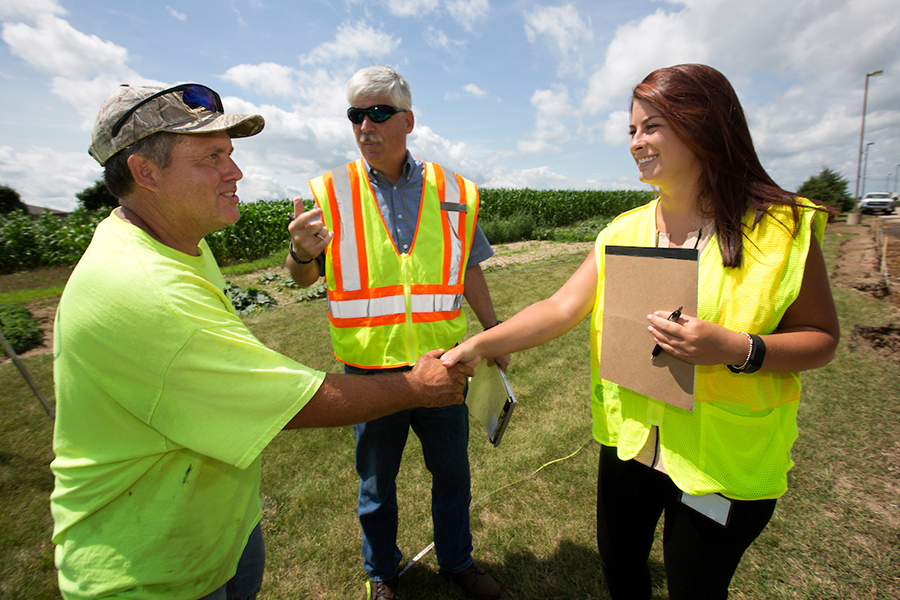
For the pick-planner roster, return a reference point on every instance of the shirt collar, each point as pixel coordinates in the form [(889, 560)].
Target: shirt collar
[(408, 168)]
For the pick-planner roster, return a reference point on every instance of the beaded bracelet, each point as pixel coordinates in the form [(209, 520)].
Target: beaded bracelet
[(296, 259), (755, 355)]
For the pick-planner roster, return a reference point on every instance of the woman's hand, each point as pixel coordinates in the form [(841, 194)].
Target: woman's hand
[(465, 352), (697, 341)]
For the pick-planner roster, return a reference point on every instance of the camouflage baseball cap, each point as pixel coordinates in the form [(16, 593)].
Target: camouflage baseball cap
[(132, 113)]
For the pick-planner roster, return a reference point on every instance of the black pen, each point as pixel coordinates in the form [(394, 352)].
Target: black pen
[(673, 317)]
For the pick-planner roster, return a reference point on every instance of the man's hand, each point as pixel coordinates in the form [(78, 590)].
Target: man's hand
[(436, 384), (308, 233)]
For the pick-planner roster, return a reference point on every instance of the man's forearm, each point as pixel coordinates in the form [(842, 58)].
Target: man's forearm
[(350, 399), (303, 274), (479, 297)]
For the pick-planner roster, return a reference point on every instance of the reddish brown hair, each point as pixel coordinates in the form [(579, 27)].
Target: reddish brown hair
[(703, 110)]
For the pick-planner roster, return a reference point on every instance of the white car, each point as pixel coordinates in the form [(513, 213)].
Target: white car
[(877, 202)]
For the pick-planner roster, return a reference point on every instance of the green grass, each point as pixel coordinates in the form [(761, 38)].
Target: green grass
[(836, 534)]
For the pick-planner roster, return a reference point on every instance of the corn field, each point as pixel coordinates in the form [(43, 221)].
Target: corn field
[(505, 215)]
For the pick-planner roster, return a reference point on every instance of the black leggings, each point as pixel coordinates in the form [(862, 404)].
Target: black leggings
[(700, 555)]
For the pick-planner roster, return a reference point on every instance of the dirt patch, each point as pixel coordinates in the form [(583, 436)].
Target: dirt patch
[(880, 340), (858, 266), (870, 264), (533, 251)]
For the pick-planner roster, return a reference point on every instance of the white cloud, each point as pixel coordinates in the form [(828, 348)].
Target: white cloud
[(535, 178), (176, 14), (468, 12), (437, 39), (564, 30), (56, 47), (411, 8), (615, 129), (24, 9), (424, 142), (474, 90), (85, 68), (658, 40), (267, 78), (351, 43), (26, 170)]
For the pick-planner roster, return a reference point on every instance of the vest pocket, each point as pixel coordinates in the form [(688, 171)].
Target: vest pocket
[(748, 454)]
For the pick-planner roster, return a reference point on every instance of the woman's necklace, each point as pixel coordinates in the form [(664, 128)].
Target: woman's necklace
[(696, 242)]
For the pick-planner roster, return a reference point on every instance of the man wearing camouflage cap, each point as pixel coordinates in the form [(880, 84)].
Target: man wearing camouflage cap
[(165, 399)]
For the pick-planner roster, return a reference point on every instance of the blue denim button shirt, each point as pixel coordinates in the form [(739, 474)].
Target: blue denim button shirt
[(399, 205)]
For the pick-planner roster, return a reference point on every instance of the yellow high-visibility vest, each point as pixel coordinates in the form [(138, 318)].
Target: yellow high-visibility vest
[(386, 308), (738, 438)]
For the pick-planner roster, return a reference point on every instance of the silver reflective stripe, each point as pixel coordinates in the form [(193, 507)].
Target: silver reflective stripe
[(436, 302), (366, 307), (349, 252), (451, 196), (392, 305)]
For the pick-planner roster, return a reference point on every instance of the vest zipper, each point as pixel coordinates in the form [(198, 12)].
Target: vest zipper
[(407, 299)]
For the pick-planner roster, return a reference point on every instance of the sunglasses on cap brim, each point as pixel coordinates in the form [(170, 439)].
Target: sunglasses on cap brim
[(193, 95), (377, 114)]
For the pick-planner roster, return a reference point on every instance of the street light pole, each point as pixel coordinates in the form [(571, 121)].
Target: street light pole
[(862, 131), (896, 172), (865, 166)]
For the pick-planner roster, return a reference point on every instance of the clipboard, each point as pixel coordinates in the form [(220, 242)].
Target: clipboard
[(637, 282), (490, 400)]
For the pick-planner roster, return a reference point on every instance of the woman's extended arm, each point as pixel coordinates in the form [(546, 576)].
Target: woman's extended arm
[(539, 323)]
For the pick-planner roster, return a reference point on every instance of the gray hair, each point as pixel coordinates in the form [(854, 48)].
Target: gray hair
[(156, 148), (378, 80)]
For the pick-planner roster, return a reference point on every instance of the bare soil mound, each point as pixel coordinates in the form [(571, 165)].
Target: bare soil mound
[(870, 264)]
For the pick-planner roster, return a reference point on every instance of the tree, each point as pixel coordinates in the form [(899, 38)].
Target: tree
[(10, 200), (97, 196), (828, 186)]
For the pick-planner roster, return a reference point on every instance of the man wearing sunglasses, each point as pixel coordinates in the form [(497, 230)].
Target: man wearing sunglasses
[(398, 243), (165, 400)]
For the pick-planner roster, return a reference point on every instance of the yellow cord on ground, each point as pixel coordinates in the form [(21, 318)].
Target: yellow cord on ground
[(431, 545)]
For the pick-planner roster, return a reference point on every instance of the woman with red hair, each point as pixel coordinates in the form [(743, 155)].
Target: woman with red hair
[(765, 313)]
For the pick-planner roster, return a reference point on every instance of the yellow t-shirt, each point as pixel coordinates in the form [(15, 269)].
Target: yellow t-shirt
[(165, 401)]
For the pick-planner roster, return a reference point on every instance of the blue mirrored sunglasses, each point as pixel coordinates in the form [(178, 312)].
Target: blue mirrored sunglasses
[(193, 95), (377, 114)]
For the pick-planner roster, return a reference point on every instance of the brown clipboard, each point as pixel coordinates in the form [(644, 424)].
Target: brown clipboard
[(637, 282)]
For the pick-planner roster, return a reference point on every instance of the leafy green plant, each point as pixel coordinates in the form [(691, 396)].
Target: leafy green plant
[(46, 240), (517, 227), (249, 300), (557, 208), (313, 292), (261, 230), (20, 328)]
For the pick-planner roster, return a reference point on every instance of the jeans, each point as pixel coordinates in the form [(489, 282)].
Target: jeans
[(444, 433), (246, 583), (700, 555)]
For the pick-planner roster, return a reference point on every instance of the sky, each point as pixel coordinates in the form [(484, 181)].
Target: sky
[(510, 94)]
